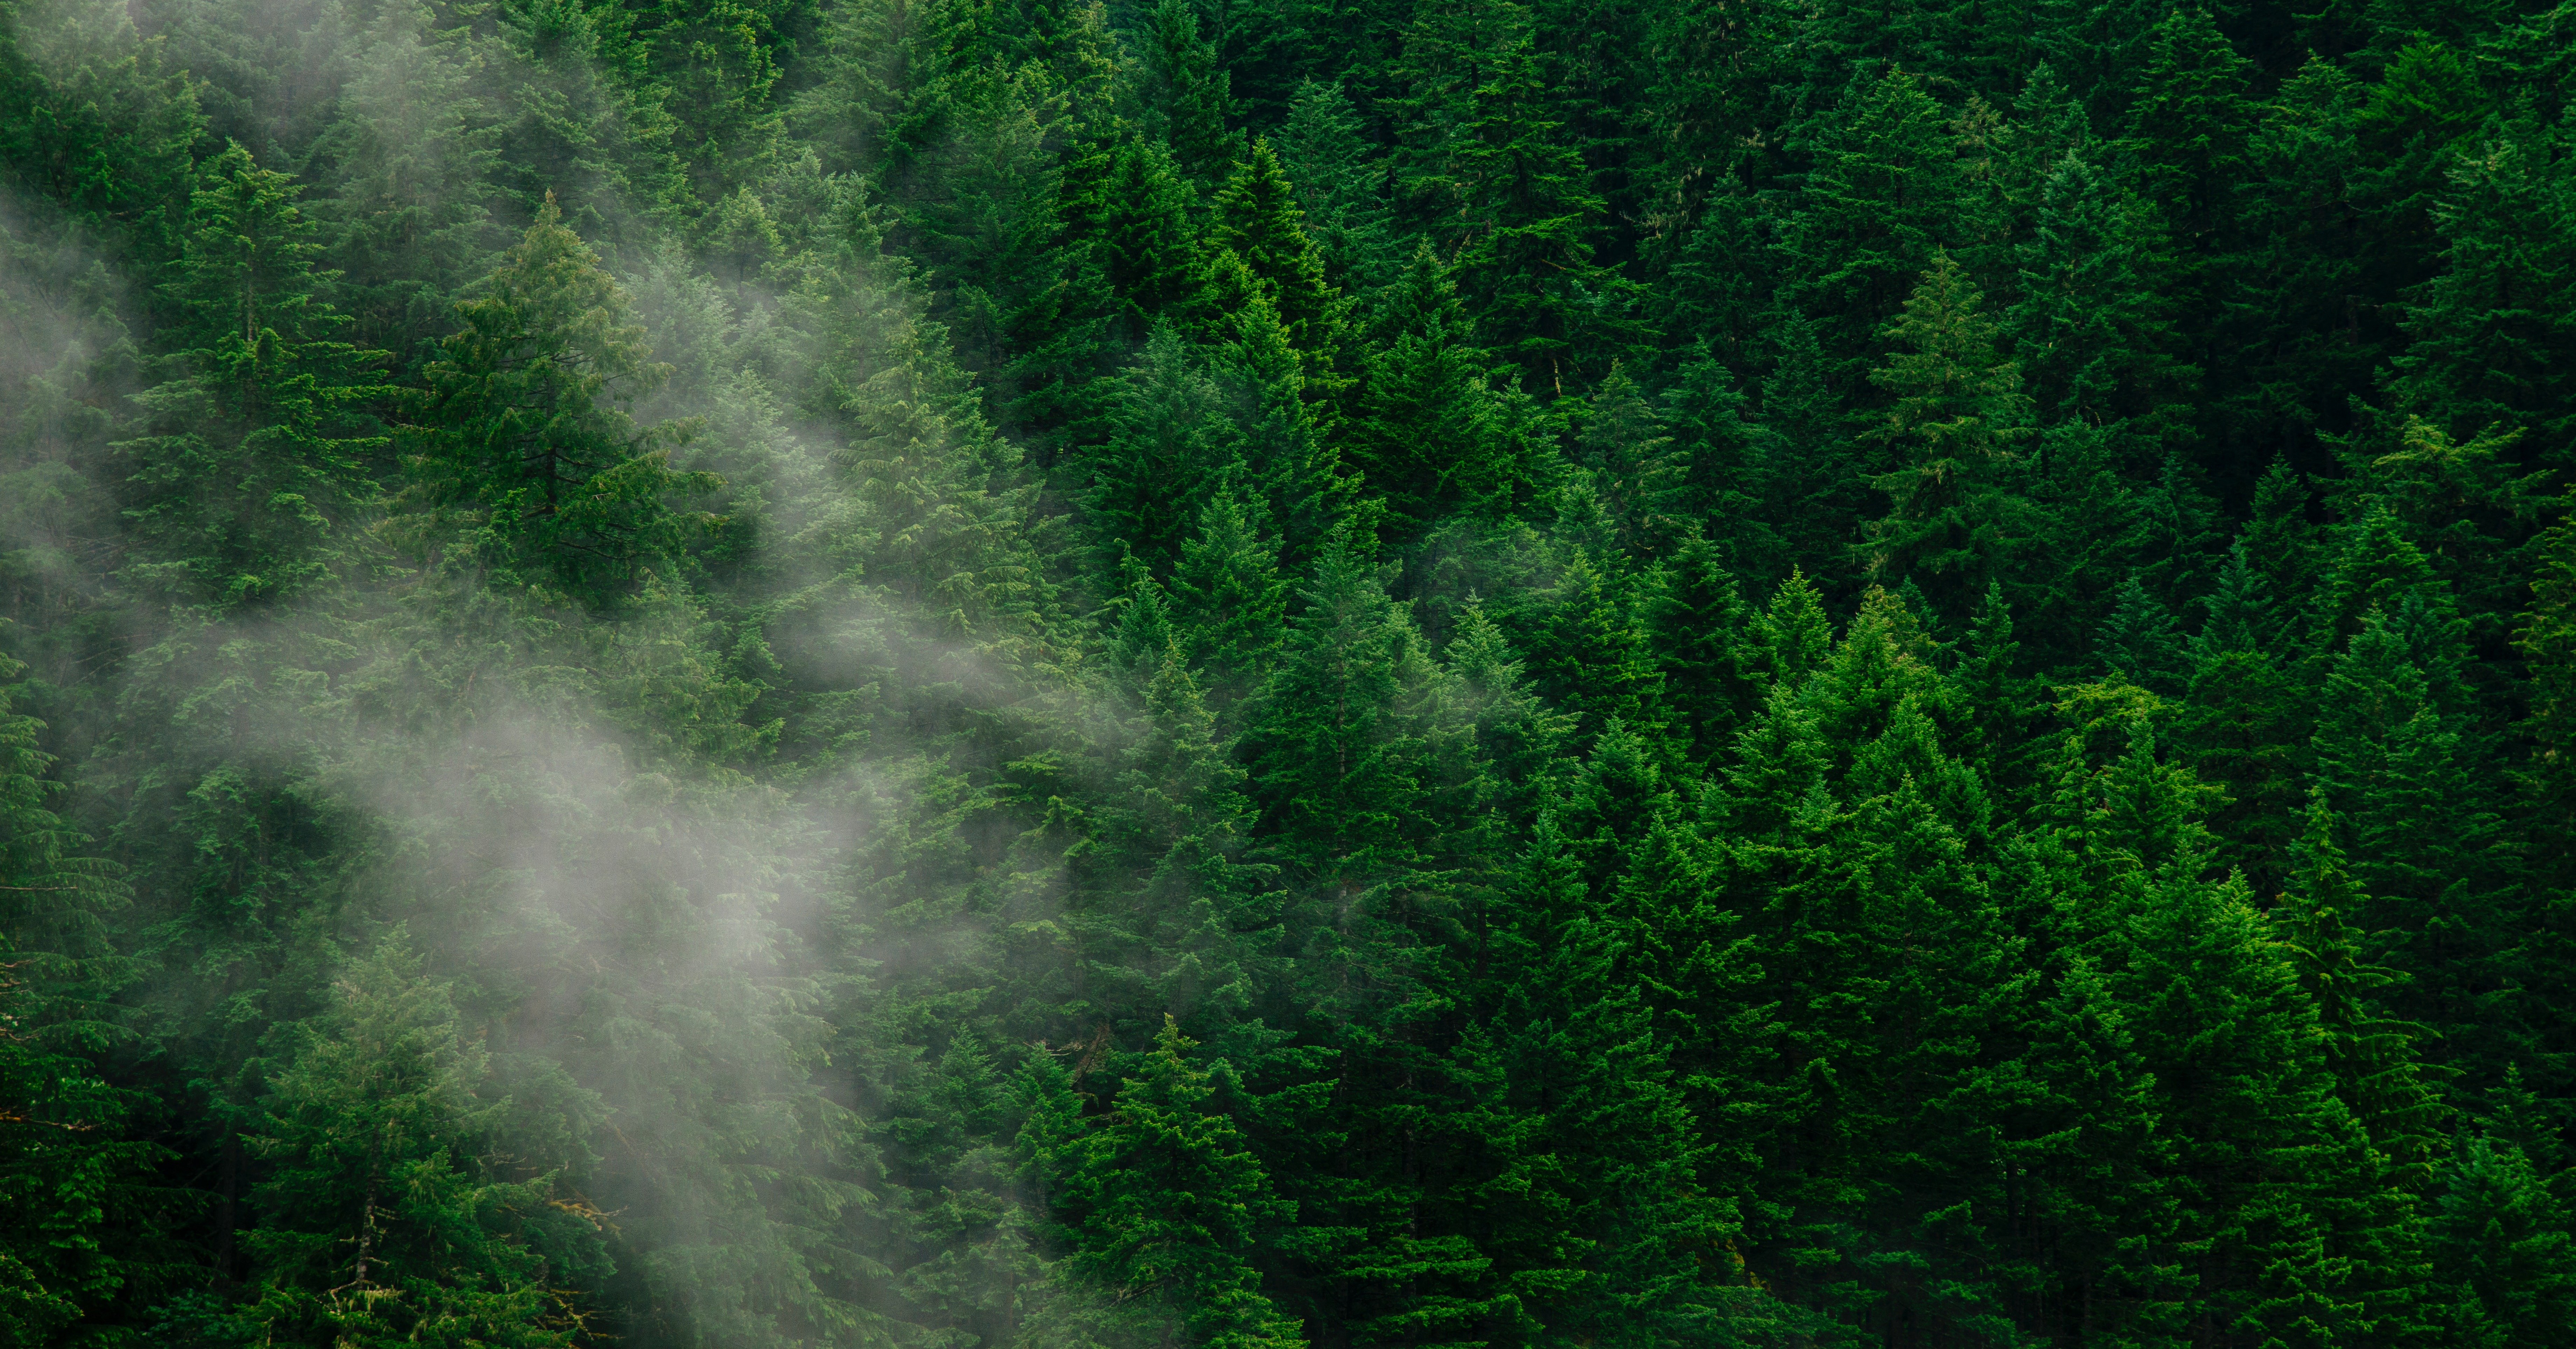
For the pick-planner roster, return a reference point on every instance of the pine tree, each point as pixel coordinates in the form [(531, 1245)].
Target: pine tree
[(523, 438), (1186, 93), (1169, 1203), (1337, 751), (1719, 444), (717, 66), (2188, 132), (1229, 595), (1805, 477), (2481, 326), (253, 488), (2547, 641), (2503, 1239), (102, 124), (2426, 838), (2247, 726), (2188, 129), (1958, 413), (1592, 658), (2305, 233), (410, 163), (1290, 459), (584, 129), (382, 1219)]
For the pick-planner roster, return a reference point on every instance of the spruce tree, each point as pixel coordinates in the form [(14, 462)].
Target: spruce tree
[(1527, 260), (1959, 412), (387, 1215), (523, 444), (1170, 1203), (253, 489)]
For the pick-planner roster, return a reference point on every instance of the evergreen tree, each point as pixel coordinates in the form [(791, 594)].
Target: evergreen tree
[(80, 1203), (2503, 1240), (1874, 214), (1229, 593), (101, 121), (1636, 472), (1171, 443), (383, 1221), (1170, 1202), (1527, 263), (1959, 410), (2095, 329), (1426, 433), (523, 438), (1186, 93), (1338, 755), (2141, 643), (1757, 675), (1704, 643), (1341, 185), (262, 460), (1259, 221)]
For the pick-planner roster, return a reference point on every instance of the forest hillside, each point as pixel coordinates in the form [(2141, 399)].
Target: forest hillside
[(1372, 674)]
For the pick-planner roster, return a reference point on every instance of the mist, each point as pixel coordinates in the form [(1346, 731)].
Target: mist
[(910, 673)]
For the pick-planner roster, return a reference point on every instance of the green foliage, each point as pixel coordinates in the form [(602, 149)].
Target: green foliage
[(251, 493), (383, 1218), (525, 446), (1069, 675), (1958, 412)]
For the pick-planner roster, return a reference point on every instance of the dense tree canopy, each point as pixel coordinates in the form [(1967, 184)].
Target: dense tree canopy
[(1244, 673)]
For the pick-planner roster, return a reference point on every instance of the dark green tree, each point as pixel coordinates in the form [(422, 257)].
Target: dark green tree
[(524, 448), (1959, 413)]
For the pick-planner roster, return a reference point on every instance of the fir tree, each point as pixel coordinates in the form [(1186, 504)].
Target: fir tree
[(1959, 410), (1170, 1203), (254, 489), (1186, 93), (524, 439), (381, 1221)]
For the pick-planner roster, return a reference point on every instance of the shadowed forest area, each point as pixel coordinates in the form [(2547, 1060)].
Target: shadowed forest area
[(1379, 674)]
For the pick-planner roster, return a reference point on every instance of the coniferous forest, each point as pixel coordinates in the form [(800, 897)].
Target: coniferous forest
[(1120, 674)]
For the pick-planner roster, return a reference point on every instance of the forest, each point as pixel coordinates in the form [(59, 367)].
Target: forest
[(1371, 674)]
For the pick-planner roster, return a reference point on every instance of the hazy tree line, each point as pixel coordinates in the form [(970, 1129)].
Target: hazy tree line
[(1390, 673)]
